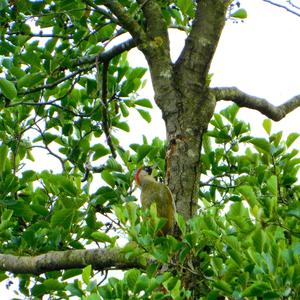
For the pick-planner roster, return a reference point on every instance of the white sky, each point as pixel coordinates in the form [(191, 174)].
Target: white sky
[(260, 56)]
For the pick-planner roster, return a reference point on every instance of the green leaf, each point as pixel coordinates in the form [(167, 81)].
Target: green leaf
[(261, 144), (294, 210), (240, 14), (62, 218), (223, 286), (142, 152), (131, 278), (86, 274), (52, 284), (184, 5), (249, 195), (230, 112), (132, 212), (122, 125), (256, 289), (181, 223), (124, 110), (291, 138), (145, 115), (8, 89), (101, 237), (30, 80), (106, 31), (267, 124), (3, 4), (99, 151), (3, 156), (108, 178), (258, 239), (71, 273), (144, 102), (272, 185)]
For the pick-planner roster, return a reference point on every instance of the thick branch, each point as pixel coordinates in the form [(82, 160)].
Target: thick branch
[(242, 99), (157, 51), (194, 62), (100, 259), (155, 22)]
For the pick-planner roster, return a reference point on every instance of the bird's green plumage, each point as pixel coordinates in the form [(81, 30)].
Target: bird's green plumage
[(155, 192)]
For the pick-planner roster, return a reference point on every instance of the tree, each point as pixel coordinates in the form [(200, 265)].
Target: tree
[(64, 91)]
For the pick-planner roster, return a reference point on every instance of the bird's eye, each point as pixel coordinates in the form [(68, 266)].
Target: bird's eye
[(148, 170)]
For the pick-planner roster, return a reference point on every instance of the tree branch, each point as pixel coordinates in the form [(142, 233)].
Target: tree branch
[(283, 6), (105, 111), (242, 99), (100, 259), (107, 55), (194, 61)]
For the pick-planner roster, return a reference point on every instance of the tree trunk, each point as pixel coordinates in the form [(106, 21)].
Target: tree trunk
[(184, 134)]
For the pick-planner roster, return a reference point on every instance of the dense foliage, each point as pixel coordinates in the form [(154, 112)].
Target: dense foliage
[(65, 92)]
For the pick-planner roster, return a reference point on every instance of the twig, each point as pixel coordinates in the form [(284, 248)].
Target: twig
[(282, 6), (105, 112)]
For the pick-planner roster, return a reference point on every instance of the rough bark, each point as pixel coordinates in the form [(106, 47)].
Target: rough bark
[(100, 259)]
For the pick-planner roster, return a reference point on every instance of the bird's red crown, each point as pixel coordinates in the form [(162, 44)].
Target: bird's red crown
[(137, 174)]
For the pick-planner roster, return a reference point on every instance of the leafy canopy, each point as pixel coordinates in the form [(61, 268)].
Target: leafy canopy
[(59, 95)]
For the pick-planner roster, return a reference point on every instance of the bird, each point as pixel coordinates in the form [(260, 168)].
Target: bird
[(158, 193)]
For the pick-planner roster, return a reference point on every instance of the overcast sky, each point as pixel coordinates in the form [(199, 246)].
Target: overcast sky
[(260, 56)]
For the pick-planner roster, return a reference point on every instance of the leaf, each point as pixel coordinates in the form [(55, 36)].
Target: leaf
[(256, 289), (71, 273), (132, 212), (99, 151), (30, 80), (291, 138), (261, 144), (145, 115), (230, 112), (258, 239), (240, 14), (3, 157), (8, 89), (122, 125), (3, 4), (86, 274), (124, 110), (101, 237), (272, 185), (294, 210), (181, 223), (249, 195), (108, 178), (144, 102), (53, 284), (223, 286), (184, 5), (62, 218), (131, 278), (267, 124), (142, 152)]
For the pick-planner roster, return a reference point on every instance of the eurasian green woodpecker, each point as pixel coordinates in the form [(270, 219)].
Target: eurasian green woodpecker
[(159, 193)]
